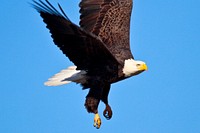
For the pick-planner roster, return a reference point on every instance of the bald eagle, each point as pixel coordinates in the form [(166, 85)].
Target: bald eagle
[(99, 48)]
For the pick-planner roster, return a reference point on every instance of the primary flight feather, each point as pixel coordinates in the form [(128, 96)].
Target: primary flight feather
[(99, 48)]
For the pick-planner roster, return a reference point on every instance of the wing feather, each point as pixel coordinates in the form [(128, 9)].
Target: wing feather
[(84, 49), (109, 20)]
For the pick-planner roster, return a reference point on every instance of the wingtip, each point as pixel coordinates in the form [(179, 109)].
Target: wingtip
[(47, 7)]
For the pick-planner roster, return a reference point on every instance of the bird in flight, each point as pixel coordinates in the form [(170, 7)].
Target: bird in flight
[(99, 48)]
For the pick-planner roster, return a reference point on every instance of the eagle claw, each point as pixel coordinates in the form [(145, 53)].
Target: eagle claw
[(107, 113), (97, 121)]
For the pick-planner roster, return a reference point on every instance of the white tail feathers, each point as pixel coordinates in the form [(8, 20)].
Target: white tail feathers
[(66, 76)]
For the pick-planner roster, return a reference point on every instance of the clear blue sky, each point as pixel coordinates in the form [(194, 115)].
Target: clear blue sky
[(165, 99)]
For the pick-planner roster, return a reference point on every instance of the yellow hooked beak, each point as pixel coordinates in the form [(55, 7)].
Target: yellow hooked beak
[(143, 67)]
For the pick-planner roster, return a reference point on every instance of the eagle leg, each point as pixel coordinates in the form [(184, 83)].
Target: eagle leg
[(107, 113), (91, 104)]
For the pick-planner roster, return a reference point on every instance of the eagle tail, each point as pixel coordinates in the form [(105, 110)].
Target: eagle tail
[(67, 76)]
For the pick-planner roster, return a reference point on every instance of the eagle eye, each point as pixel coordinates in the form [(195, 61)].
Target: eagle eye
[(138, 65)]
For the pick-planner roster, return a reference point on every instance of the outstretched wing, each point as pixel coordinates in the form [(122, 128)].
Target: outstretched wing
[(109, 20), (82, 48)]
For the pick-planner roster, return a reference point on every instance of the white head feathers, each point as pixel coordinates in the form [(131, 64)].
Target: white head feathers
[(133, 67)]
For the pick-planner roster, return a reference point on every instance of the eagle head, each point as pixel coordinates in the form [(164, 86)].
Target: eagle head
[(133, 67)]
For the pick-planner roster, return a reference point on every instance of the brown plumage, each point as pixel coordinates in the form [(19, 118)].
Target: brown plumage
[(110, 21), (99, 48)]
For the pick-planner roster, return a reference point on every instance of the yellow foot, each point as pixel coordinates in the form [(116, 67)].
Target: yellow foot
[(97, 121)]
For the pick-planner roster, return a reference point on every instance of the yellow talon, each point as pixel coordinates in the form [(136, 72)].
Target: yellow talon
[(97, 121)]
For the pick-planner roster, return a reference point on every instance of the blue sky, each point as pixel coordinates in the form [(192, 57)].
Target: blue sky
[(165, 99)]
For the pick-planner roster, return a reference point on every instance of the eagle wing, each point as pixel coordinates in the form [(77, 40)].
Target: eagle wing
[(84, 49), (109, 20)]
